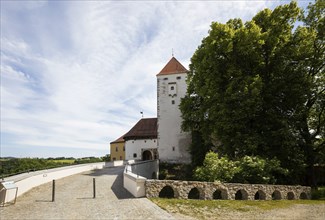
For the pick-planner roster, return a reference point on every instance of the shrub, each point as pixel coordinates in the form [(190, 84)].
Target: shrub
[(215, 168), (249, 169)]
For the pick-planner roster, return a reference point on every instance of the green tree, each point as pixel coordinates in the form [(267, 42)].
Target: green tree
[(258, 88)]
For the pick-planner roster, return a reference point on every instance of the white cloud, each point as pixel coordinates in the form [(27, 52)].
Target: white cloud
[(77, 74)]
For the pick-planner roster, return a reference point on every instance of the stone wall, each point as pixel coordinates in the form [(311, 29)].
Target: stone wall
[(232, 191)]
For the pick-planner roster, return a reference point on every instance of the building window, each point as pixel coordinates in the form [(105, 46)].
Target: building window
[(172, 88), (134, 155), (178, 77), (166, 78), (173, 148), (173, 102), (145, 141), (120, 157), (114, 158), (116, 149), (124, 148)]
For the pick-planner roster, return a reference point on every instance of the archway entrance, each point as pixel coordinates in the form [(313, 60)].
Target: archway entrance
[(146, 155)]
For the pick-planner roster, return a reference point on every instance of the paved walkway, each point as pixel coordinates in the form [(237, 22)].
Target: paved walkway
[(74, 200)]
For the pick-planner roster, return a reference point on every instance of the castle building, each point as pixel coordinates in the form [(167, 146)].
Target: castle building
[(173, 143), (162, 138), (118, 149)]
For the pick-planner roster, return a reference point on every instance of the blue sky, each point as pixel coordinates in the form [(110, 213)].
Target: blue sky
[(76, 74)]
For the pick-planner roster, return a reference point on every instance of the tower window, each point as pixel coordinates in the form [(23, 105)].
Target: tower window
[(116, 149), (178, 77), (134, 155), (124, 148), (173, 148), (173, 102), (172, 89), (166, 78)]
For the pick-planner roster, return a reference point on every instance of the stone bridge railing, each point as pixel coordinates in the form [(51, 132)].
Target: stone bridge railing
[(232, 191)]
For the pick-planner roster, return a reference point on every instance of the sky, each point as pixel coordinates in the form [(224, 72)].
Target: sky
[(75, 75)]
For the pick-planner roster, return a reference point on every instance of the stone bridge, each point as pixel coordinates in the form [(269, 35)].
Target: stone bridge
[(215, 190)]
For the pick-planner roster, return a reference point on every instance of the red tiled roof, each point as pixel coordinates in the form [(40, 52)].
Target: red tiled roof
[(119, 140), (173, 67), (145, 128)]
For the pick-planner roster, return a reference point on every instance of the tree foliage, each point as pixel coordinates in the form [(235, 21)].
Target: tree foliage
[(257, 88)]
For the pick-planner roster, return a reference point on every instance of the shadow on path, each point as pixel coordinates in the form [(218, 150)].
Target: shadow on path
[(117, 186)]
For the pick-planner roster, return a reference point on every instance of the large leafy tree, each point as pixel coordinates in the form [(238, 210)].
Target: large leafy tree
[(258, 89)]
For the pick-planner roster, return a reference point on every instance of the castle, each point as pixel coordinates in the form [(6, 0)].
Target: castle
[(159, 138)]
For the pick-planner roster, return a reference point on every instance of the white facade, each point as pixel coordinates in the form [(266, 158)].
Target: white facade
[(173, 143), (134, 148)]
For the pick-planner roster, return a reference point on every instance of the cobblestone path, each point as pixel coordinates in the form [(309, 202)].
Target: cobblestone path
[(74, 200)]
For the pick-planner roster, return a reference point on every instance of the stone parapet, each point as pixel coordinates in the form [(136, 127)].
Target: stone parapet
[(231, 191)]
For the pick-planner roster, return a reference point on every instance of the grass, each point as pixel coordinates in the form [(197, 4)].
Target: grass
[(204, 208)]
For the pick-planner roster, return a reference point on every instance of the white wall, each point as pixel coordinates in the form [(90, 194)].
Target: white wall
[(28, 181), (134, 147), (172, 142), (134, 184), (134, 176)]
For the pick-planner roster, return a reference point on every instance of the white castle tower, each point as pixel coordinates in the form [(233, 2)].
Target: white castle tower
[(173, 144)]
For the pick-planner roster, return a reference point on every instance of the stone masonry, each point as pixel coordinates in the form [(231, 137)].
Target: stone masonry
[(206, 190)]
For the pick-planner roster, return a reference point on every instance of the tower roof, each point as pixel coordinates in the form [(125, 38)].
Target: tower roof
[(145, 128), (173, 67)]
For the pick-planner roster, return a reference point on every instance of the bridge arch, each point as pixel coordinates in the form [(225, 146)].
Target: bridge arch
[(220, 194), (276, 195), (241, 195), (303, 195), (260, 195), (168, 192), (196, 193), (291, 196)]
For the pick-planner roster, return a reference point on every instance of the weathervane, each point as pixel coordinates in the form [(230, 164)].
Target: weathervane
[(141, 113), (172, 52)]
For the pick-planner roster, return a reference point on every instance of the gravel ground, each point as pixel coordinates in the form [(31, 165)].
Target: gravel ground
[(294, 212), (74, 200)]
